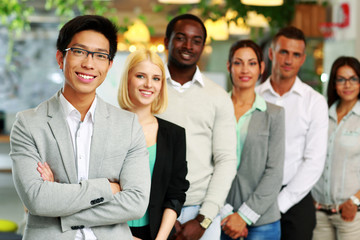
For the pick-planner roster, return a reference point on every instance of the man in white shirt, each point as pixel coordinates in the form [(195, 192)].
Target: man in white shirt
[(71, 153), (306, 126), (205, 110)]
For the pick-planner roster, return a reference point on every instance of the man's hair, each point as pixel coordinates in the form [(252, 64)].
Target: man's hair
[(88, 22), (160, 103), (171, 24), (338, 63), (289, 32)]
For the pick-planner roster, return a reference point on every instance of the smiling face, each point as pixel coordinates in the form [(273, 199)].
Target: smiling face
[(186, 43), (348, 92), (287, 56), (84, 75), (145, 82), (245, 68)]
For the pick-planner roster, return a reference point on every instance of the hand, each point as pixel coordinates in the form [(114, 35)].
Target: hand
[(45, 172), (234, 226), (244, 233), (115, 187), (348, 211), (177, 226), (190, 230), (135, 238)]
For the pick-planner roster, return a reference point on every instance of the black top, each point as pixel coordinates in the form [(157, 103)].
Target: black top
[(168, 183)]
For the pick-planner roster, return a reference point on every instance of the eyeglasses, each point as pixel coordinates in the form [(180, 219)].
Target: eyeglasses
[(342, 81), (82, 53)]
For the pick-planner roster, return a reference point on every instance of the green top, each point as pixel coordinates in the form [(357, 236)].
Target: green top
[(243, 124), (242, 130), (145, 219)]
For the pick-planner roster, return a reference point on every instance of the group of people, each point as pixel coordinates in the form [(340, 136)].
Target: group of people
[(182, 158)]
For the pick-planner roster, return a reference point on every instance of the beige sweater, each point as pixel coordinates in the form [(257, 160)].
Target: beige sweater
[(207, 114)]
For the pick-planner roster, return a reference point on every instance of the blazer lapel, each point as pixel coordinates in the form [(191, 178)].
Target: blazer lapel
[(61, 132), (98, 140), (256, 121), (160, 151)]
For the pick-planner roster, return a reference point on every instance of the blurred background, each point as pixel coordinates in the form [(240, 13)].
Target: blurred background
[(29, 73)]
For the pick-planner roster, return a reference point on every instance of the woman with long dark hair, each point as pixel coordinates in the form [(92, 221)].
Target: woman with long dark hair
[(252, 210), (337, 193)]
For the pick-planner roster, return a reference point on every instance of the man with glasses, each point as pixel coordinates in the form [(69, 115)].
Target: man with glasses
[(71, 153), (306, 126)]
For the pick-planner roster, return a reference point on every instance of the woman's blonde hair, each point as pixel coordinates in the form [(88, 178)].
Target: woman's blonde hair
[(160, 103)]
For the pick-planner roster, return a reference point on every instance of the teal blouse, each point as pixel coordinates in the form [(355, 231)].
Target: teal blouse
[(243, 124), (145, 219), (242, 127)]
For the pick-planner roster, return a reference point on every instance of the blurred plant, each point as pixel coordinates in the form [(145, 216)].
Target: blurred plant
[(14, 17), (68, 9), (278, 16)]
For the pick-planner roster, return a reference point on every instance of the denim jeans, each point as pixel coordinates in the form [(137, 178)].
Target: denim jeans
[(190, 212), (269, 231)]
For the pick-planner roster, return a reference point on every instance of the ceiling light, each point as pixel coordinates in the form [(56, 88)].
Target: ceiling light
[(179, 1), (138, 32), (256, 20), (263, 2), (217, 30)]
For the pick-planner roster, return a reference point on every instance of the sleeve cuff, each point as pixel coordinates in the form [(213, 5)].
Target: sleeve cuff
[(246, 211), (248, 222), (284, 202), (226, 211), (209, 210)]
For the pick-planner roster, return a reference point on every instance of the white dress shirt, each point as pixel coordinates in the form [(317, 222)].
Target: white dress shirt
[(181, 88), (306, 127), (81, 133)]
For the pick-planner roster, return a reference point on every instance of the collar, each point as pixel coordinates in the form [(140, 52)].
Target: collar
[(333, 114), (297, 87), (259, 103), (196, 78), (69, 109), (332, 110), (356, 108)]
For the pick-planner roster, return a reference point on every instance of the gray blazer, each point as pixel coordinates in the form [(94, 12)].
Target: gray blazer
[(258, 179), (58, 209)]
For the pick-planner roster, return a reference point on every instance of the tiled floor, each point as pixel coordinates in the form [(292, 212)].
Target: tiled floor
[(11, 207)]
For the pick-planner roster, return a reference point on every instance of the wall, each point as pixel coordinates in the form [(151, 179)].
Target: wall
[(346, 41)]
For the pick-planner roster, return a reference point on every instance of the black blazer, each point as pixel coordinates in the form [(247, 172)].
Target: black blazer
[(168, 184)]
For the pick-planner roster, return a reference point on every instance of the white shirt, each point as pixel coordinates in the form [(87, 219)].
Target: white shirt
[(306, 127), (181, 88), (81, 133), (341, 177)]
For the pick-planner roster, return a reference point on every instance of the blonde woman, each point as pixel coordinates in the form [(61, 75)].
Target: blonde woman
[(143, 91)]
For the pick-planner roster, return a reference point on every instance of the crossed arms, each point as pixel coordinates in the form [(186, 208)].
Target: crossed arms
[(90, 202)]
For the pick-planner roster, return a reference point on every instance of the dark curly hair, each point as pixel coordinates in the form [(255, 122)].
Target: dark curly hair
[(171, 24)]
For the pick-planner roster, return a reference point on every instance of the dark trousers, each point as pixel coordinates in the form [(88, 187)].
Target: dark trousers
[(299, 221)]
